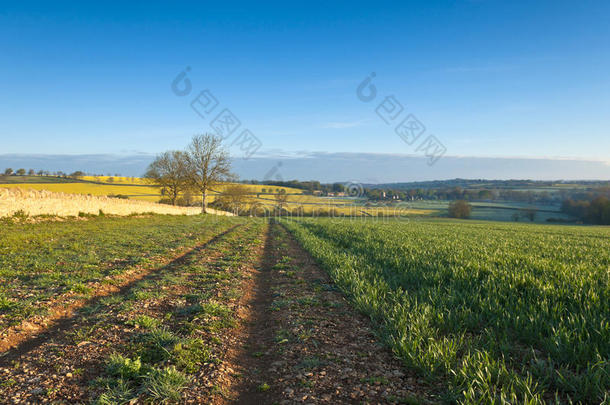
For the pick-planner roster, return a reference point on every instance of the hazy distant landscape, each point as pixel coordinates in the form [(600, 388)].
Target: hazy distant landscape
[(510, 200)]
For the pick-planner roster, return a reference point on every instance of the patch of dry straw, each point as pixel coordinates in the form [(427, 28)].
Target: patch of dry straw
[(40, 202)]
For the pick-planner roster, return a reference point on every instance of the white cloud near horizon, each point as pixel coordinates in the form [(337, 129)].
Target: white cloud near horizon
[(337, 167)]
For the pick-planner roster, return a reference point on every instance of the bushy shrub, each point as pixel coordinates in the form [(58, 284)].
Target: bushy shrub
[(460, 209), (119, 196)]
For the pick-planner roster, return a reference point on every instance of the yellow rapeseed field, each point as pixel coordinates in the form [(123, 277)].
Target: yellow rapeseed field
[(116, 180)]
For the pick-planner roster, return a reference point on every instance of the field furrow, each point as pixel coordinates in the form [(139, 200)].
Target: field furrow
[(299, 341)]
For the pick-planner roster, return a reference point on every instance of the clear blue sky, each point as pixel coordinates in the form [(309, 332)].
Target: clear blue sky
[(488, 78)]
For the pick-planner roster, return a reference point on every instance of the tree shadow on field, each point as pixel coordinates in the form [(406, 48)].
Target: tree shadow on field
[(61, 328)]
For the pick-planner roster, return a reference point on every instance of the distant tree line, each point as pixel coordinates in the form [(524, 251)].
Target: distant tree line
[(31, 172), (593, 211), (458, 193), (19, 172), (307, 186), (528, 191), (476, 190)]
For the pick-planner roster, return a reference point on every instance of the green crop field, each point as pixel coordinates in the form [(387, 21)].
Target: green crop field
[(208, 309), (498, 312), (498, 211)]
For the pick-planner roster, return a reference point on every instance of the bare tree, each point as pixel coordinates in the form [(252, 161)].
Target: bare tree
[(170, 171), (209, 163)]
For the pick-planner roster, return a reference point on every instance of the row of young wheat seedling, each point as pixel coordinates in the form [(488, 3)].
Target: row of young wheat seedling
[(495, 309)]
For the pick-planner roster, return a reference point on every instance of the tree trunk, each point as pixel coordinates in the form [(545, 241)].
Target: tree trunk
[(204, 202), (174, 195)]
